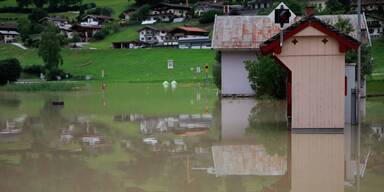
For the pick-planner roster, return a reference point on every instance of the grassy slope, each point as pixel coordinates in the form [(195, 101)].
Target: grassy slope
[(8, 3), (377, 52), (117, 5), (123, 65), (130, 33), (376, 82)]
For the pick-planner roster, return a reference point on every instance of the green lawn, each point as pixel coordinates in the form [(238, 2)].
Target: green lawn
[(117, 5), (8, 3), (133, 65), (378, 56)]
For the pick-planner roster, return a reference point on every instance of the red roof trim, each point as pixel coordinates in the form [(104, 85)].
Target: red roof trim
[(192, 29), (345, 43)]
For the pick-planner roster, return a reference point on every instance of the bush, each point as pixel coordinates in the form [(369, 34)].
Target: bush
[(34, 69), (10, 70), (100, 35), (267, 77), (141, 14), (216, 71), (56, 74), (209, 16)]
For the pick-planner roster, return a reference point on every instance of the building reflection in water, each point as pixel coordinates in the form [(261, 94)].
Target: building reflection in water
[(312, 162)]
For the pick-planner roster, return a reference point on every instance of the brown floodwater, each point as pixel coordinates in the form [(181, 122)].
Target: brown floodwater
[(146, 138)]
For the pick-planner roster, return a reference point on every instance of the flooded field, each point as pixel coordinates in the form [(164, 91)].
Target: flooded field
[(145, 138)]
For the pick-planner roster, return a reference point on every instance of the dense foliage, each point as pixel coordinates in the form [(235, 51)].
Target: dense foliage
[(10, 70), (216, 71), (50, 3), (141, 13), (49, 49), (267, 78), (209, 16), (366, 60)]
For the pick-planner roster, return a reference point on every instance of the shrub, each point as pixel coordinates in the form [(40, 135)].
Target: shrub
[(10, 70), (34, 69), (267, 78), (209, 16), (141, 14), (56, 74), (100, 35), (216, 71)]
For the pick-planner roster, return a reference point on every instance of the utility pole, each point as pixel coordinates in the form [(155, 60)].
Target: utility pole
[(358, 88), (358, 92)]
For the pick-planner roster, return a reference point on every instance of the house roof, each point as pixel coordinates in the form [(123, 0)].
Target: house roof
[(9, 32), (249, 32), (153, 28), (273, 44), (368, 2), (375, 17), (78, 26), (190, 29), (217, 5), (178, 6), (8, 26), (103, 17), (53, 18)]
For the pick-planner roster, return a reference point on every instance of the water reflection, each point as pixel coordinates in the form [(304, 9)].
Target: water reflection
[(184, 140)]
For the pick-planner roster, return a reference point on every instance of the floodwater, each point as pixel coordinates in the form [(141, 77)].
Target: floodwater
[(142, 137)]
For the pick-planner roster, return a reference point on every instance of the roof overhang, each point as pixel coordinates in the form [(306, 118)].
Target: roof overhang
[(346, 42)]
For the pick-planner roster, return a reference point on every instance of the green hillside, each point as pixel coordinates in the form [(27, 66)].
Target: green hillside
[(123, 65)]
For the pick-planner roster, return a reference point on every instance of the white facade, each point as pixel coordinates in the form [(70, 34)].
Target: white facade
[(153, 36), (236, 76), (375, 26), (8, 36)]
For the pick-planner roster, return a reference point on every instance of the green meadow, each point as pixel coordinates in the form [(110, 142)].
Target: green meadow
[(130, 33), (118, 6), (378, 59), (132, 65)]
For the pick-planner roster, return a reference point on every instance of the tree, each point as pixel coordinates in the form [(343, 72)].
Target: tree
[(366, 60), (141, 14), (23, 3), (216, 71), (54, 4), (49, 48), (10, 70), (37, 14), (267, 77), (209, 16), (101, 11), (148, 2), (334, 7), (39, 3), (344, 25)]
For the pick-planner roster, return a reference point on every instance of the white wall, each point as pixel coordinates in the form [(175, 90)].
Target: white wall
[(234, 76), (235, 117)]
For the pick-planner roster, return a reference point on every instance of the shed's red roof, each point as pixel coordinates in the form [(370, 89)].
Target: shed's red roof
[(192, 29), (346, 41)]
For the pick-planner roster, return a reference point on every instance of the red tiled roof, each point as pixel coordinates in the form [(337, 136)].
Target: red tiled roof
[(8, 26), (192, 29), (249, 32), (99, 17)]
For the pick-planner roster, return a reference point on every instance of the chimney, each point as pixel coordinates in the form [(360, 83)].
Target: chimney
[(309, 10)]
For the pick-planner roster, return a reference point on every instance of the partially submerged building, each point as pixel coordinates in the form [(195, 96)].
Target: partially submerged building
[(238, 38)]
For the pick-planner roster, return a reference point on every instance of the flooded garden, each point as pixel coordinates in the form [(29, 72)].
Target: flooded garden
[(142, 137)]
